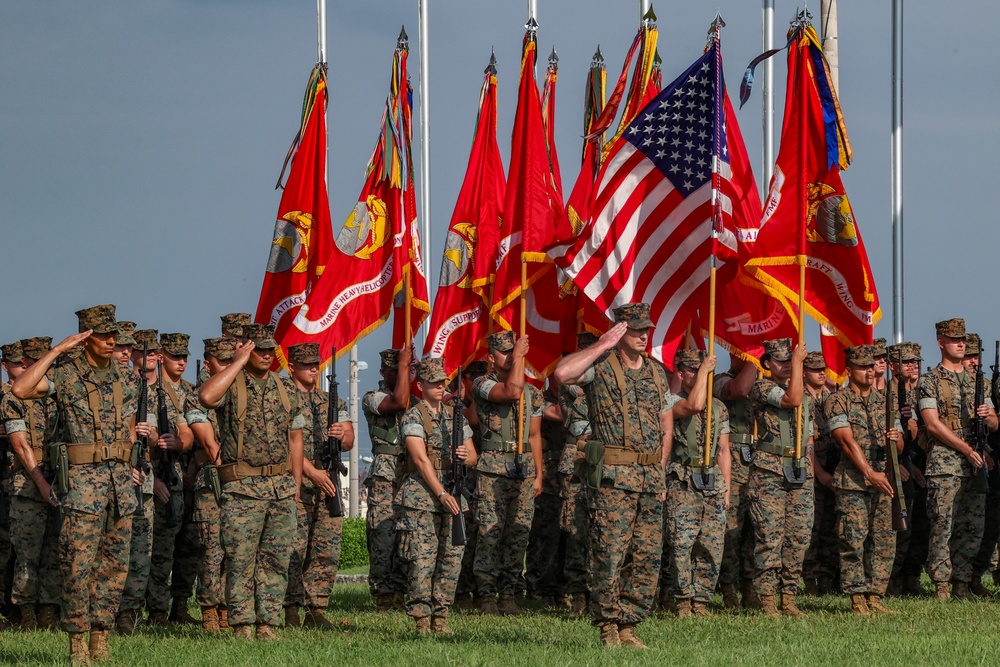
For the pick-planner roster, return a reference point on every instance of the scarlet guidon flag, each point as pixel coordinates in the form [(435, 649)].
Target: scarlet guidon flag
[(807, 217), (652, 238), (303, 234), (377, 253), (460, 321)]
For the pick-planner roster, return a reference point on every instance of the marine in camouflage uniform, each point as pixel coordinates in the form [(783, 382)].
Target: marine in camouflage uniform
[(856, 417), (629, 402), (991, 519), (168, 513), (383, 408), (34, 528), (955, 506), (820, 567), (695, 511), (781, 510), (260, 424), (427, 508), (206, 515), (12, 357), (736, 573), (316, 554), (467, 579), (96, 402), (508, 482), (543, 573)]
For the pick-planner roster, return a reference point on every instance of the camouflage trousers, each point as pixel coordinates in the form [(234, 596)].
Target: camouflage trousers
[(140, 549), (504, 507), (695, 529), (782, 516), (956, 511), (187, 553), (161, 561), (573, 525), (211, 590), (467, 578), (385, 574), (912, 544), (543, 572), (432, 563), (315, 557), (991, 534), (257, 536), (867, 541), (95, 550), (737, 552), (626, 542), (821, 556), (34, 536)]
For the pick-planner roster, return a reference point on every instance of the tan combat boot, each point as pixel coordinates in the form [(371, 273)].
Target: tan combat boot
[(28, 619), (609, 635), (179, 613), (99, 651), (579, 604), (266, 633), (627, 636), (977, 588), (158, 619), (79, 654), (488, 606), (210, 619), (699, 608), (859, 607), (464, 603), (875, 604), (960, 591), (383, 602), (911, 585), (942, 591), (423, 626), (48, 616), (127, 621), (750, 599), (788, 607), (683, 608), (768, 607), (315, 618), (398, 602), (292, 618), (243, 632), (439, 625), (730, 596), (223, 617), (508, 606)]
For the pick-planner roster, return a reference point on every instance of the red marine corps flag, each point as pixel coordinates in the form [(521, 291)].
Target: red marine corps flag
[(809, 246), (460, 321), (377, 252), (303, 234)]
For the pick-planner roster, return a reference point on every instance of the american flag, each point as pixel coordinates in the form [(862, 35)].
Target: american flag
[(651, 239)]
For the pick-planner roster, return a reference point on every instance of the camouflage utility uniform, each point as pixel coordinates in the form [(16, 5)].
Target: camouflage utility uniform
[(573, 519), (820, 566), (544, 566)]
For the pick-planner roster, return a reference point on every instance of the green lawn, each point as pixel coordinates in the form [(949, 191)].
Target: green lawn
[(924, 632)]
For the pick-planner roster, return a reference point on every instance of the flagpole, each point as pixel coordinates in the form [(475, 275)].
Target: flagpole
[(828, 18), (425, 148), (896, 149), (644, 6), (767, 101)]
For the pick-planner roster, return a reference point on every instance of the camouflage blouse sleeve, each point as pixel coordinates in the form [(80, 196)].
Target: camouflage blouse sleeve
[(412, 425), (927, 392)]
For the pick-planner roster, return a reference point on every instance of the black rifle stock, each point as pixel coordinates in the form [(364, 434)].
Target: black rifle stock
[(980, 433), (334, 447), (900, 517), (165, 466), (141, 445), (458, 470)]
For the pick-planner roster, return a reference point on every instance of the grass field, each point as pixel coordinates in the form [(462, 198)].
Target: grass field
[(923, 632)]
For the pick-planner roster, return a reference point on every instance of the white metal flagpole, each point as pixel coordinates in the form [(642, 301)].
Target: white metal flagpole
[(643, 8), (767, 99), (896, 147), (425, 150)]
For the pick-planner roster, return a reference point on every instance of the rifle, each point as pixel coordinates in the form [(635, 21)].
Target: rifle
[(165, 466), (140, 447), (458, 470), (906, 458), (980, 433), (334, 447), (900, 517)]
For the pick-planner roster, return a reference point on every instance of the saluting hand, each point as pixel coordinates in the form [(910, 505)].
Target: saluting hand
[(611, 337), (242, 354), (71, 342)]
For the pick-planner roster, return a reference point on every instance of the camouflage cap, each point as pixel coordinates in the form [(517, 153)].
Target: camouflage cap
[(973, 344), (390, 359), (860, 355), (175, 344), (101, 319), (12, 353), (878, 348), (779, 349), (953, 328), (233, 323), (814, 361), (304, 353), (125, 331), (688, 359), (37, 347), (501, 341), (220, 348), (476, 369), (262, 335), (147, 339), (585, 339), (431, 370), (636, 315), (908, 352)]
